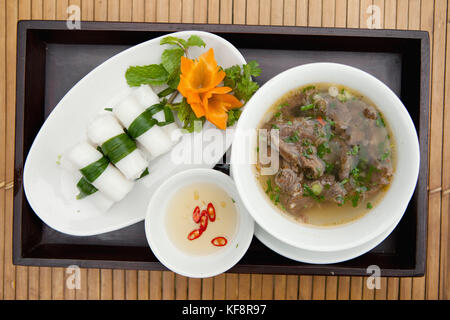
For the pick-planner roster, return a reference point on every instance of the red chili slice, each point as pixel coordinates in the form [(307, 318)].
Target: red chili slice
[(211, 212), (194, 234), (203, 220), (196, 214), (321, 121), (219, 241)]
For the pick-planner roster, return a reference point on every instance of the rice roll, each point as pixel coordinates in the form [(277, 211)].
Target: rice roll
[(117, 146), (142, 127), (96, 197), (98, 173), (147, 97)]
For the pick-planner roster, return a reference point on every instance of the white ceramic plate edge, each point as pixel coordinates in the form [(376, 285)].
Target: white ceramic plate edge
[(317, 257)]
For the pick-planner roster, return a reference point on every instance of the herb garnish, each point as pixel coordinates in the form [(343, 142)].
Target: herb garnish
[(240, 80), (307, 107), (380, 121), (385, 155), (354, 151), (309, 88), (293, 138), (323, 149), (329, 167), (308, 192), (273, 192)]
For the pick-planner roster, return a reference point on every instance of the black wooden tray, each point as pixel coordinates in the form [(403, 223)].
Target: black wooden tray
[(52, 58)]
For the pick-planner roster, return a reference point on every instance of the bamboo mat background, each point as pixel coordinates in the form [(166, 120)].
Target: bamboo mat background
[(18, 282)]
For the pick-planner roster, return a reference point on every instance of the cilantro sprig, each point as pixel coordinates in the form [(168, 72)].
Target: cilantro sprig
[(239, 79)]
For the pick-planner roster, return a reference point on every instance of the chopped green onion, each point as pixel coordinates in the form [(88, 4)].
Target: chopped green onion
[(316, 188), (354, 151), (385, 155), (294, 138), (307, 107), (355, 200), (340, 200), (380, 121), (309, 88), (329, 167), (323, 148), (308, 192), (355, 172), (269, 186)]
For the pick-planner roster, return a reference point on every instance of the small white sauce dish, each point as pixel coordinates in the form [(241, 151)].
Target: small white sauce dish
[(189, 265)]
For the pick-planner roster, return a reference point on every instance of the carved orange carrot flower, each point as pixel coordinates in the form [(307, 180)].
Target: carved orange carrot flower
[(199, 82)]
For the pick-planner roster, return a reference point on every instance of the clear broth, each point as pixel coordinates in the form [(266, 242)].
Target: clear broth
[(325, 214)]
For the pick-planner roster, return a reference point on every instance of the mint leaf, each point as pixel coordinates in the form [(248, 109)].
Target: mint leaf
[(174, 79), (153, 74), (175, 41), (171, 59), (195, 41)]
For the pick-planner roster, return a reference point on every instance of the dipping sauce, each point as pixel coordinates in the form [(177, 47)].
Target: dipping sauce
[(180, 219)]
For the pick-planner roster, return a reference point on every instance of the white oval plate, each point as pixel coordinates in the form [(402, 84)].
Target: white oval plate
[(191, 265), (50, 190)]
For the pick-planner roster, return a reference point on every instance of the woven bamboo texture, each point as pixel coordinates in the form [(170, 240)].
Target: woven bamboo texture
[(18, 282)]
